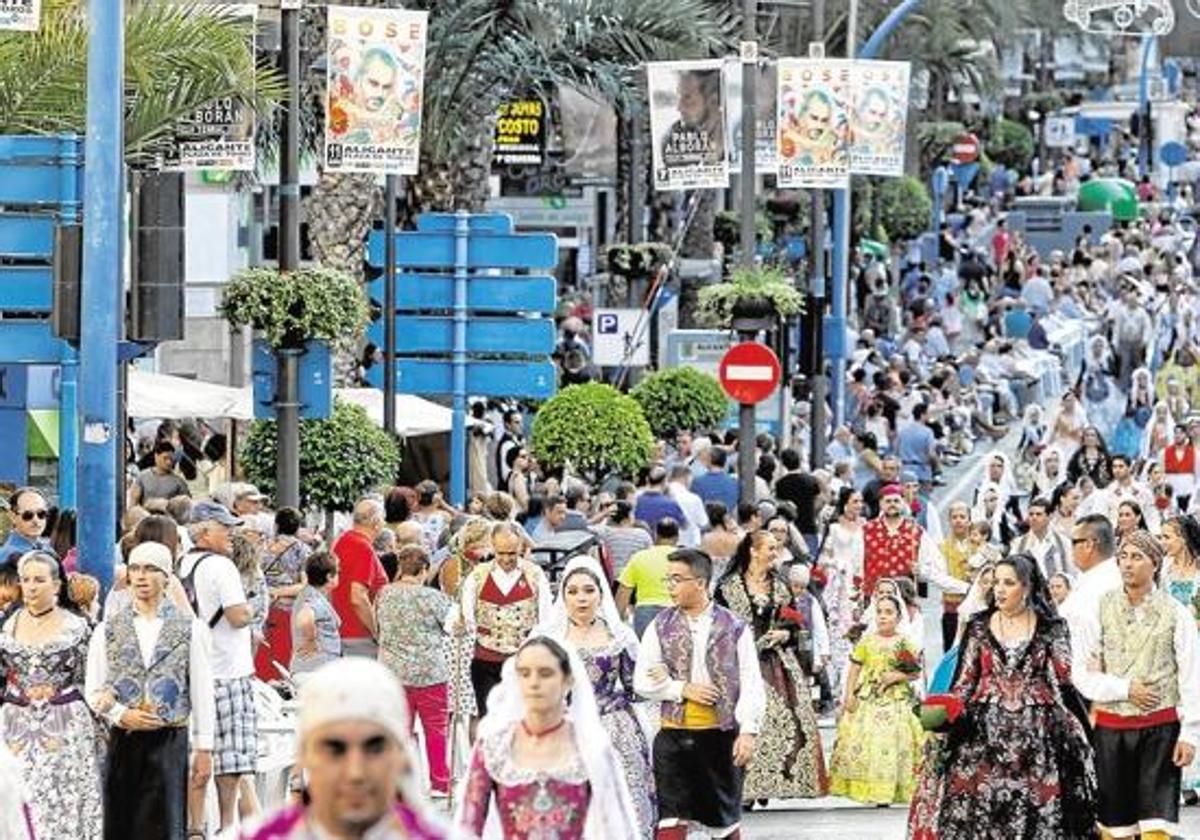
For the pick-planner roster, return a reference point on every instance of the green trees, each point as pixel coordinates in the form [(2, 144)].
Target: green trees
[(593, 429), (680, 398), (904, 207), (292, 307)]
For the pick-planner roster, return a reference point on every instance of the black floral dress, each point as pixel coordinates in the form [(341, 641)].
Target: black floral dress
[(1017, 764)]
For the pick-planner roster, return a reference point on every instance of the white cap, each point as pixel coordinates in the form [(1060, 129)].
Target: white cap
[(152, 554), (353, 688)]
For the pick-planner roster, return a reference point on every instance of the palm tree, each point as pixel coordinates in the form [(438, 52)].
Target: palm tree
[(481, 52), (178, 57)]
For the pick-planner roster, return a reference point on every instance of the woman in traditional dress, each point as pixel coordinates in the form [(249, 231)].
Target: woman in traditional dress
[(1016, 762), (543, 766), (584, 617), (1063, 502), (1130, 518), (1181, 542), (1102, 399), (44, 719), (1065, 429), (1051, 472), (469, 546), (879, 739), (841, 556), (788, 762), (1091, 459), (1159, 432)]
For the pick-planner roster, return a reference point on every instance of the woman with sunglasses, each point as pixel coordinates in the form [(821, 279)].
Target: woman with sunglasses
[(27, 510)]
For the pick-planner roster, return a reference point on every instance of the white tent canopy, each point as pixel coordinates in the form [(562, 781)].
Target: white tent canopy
[(176, 397)]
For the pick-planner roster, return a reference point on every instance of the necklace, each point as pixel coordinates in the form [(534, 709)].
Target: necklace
[(588, 626), (538, 735), (41, 614)]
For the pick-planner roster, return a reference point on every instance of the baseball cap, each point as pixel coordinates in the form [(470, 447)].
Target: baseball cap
[(215, 512)]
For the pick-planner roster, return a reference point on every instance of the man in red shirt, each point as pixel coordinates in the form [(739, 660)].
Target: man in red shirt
[(360, 577)]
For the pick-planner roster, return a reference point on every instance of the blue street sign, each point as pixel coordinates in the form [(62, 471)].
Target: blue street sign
[(316, 380), (964, 173), (418, 249), (499, 293), (14, 384), (28, 288), (478, 223), (1173, 153), (31, 342), (26, 236), (486, 378), (433, 334)]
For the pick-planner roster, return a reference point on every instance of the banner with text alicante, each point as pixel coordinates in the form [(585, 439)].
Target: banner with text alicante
[(375, 76), (687, 125), (220, 134)]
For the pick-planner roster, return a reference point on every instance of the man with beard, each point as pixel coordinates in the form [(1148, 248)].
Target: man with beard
[(895, 546)]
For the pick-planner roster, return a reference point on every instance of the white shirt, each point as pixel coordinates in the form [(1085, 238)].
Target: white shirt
[(752, 696), (1084, 598), (693, 509), (1041, 547), (218, 585), (931, 567), (1110, 499), (505, 581), (1101, 687), (202, 723)]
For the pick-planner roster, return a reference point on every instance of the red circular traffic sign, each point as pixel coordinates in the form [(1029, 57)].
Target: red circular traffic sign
[(966, 149), (749, 372)]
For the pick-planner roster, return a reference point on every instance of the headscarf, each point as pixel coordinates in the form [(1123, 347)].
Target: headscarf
[(1043, 482), (610, 809), (1164, 428), (556, 621), (1148, 544)]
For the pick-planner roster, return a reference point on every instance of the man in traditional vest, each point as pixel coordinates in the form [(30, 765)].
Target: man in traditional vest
[(956, 552), (1179, 464), (149, 675), (1136, 661), (895, 546), (502, 600), (699, 660)]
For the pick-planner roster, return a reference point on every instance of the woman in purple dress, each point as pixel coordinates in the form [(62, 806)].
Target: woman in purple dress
[(542, 767), (585, 618)]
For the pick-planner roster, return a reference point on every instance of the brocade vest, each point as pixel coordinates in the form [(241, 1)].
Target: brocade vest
[(504, 621), (721, 658), (889, 554), (957, 553), (1139, 643), (162, 688)]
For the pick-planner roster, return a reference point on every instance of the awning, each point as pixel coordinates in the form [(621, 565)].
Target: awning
[(177, 397), (1113, 195), (414, 416), (41, 433)]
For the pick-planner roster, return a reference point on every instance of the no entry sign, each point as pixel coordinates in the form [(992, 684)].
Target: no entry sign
[(749, 372), (966, 149)]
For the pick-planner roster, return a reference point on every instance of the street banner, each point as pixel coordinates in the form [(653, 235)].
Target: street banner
[(520, 138), (766, 154), (687, 124), (376, 68), (877, 126), (815, 98), (220, 134), (22, 15)]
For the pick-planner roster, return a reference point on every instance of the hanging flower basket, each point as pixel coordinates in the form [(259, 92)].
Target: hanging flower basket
[(752, 300)]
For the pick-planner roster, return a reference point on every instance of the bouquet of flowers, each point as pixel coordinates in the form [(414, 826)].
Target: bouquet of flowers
[(938, 712), (906, 660)]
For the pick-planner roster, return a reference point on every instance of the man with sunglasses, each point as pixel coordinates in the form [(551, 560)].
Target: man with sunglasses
[(28, 510), (1093, 552)]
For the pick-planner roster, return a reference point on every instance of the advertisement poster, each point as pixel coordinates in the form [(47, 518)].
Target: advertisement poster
[(376, 67), (22, 15), (880, 116), (520, 138), (814, 122), (687, 124), (219, 135), (766, 150)]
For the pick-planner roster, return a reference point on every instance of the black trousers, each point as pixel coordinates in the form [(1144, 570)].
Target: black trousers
[(145, 785), (485, 675), (949, 629), (695, 777), (1138, 780)]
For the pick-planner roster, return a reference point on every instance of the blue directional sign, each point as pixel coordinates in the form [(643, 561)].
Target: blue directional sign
[(485, 378), (316, 380), (420, 249), (433, 334), (485, 292), (27, 287)]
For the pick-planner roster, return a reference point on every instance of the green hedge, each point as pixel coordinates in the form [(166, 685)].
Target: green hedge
[(680, 398), (593, 428)]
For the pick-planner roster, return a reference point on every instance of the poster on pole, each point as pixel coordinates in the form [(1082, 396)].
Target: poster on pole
[(880, 117), (520, 137), (766, 154), (21, 15), (376, 69), (220, 133), (815, 97), (687, 125)]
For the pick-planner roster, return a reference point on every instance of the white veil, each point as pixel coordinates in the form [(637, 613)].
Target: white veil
[(610, 809), (555, 623)]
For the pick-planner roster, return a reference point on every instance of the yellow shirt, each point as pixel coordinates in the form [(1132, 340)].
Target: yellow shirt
[(644, 574)]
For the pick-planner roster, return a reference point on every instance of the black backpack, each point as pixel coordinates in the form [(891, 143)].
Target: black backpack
[(189, 588)]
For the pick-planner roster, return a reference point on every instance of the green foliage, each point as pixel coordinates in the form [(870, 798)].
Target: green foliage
[(593, 428), (641, 260), (936, 139), (178, 56), (680, 398), (727, 229), (1011, 144), (904, 207), (292, 307), (340, 458), (716, 302)]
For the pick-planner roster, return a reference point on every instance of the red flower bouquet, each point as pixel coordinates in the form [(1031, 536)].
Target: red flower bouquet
[(907, 661), (938, 712)]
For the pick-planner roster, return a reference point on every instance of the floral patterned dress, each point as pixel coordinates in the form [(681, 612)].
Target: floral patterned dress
[(530, 804), (878, 747), (1017, 763), (788, 762), (842, 559), (610, 669), (1187, 592), (50, 729)]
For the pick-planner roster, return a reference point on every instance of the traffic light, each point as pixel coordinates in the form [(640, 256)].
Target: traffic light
[(156, 299)]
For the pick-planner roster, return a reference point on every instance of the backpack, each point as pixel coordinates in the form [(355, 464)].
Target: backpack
[(189, 588)]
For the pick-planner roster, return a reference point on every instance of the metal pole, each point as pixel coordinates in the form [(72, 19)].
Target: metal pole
[(637, 181), (389, 306), (287, 406), (815, 320), (749, 102), (1144, 151), (458, 422), (68, 433), (104, 212)]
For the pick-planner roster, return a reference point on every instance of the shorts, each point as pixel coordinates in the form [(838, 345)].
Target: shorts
[(236, 750)]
